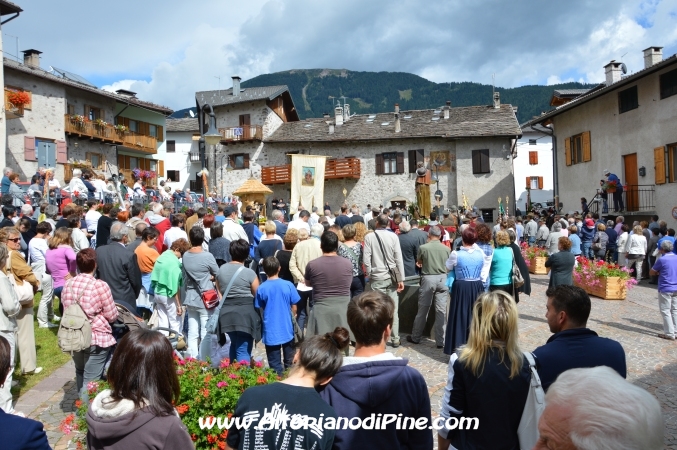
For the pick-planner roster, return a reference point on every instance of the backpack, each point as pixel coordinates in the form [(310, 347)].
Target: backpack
[(75, 330)]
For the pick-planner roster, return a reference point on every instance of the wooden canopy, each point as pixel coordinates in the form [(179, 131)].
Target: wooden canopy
[(252, 186)]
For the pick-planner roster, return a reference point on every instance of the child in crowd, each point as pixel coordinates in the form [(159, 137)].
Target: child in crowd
[(275, 297)]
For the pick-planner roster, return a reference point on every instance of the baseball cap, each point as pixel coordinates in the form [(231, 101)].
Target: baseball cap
[(590, 222), (606, 172), (228, 211)]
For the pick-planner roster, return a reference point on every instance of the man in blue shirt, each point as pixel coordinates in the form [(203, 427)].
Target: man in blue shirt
[(618, 194), (6, 172), (574, 345), (666, 270)]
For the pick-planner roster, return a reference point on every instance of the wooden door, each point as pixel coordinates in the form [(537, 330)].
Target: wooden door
[(631, 181), (245, 122)]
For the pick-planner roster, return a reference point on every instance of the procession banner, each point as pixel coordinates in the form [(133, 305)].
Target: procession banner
[(307, 181)]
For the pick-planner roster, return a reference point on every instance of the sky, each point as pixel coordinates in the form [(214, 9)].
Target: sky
[(166, 50)]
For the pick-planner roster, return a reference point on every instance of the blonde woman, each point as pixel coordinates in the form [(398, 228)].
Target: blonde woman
[(635, 251), (488, 377), (360, 232), (10, 308)]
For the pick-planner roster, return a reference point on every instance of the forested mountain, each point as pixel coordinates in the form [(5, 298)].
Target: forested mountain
[(372, 92)]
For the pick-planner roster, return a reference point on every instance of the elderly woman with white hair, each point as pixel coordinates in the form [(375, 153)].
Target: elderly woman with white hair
[(553, 238), (596, 409), (76, 185)]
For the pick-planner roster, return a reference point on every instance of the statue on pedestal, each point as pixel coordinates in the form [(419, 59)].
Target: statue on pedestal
[(423, 190)]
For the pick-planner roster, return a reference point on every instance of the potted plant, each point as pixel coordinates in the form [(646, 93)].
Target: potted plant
[(535, 258), (609, 187), (19, 99), (78, 120), (100, 123), (121, 129), (603, 279)]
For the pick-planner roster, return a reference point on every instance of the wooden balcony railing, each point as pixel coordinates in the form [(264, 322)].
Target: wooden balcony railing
[(334, 169), (146, 144), (242, 133), (12, 111), (90, 129)]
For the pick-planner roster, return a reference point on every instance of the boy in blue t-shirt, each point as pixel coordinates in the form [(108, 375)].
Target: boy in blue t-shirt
[(275, 297)]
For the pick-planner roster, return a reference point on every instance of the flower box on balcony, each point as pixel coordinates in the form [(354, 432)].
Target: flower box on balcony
[(537, 265), (607, 288)]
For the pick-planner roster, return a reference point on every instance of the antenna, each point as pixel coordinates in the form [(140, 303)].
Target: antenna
[(344, 100), (624, 68), (493, 84), (331, 100), (219, 78)]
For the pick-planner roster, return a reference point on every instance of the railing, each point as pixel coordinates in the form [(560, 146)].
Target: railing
[(147, 144), (12, 111), (84, 127), (242, 133), (334, 169), (635, 198), (194, 156)]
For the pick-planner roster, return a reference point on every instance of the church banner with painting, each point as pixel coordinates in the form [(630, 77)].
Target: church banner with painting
[(307, 180)]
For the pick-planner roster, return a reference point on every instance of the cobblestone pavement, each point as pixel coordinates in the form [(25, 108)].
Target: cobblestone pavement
[(652, 362)]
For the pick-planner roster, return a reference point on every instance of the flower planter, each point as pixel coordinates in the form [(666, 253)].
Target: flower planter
[(610, 190), (609, 288), (537, 265)]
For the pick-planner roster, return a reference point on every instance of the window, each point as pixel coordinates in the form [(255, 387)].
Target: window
[(533, 158), (668, 82), (577, 149), (134, 126), (532, 141), (535, 182), (415, 157), (239, 161), (171, 146), (389, 163), (133, 163), (627, 100), (45, 152), (96, 159), (173, 175), (71, 109), (93, 113), (152, 130), (480, 161)]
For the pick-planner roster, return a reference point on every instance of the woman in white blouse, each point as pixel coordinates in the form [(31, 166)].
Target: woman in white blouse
[(37, 249), (635, 251)]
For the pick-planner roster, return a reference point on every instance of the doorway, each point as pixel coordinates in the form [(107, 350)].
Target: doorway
[(631, 180)]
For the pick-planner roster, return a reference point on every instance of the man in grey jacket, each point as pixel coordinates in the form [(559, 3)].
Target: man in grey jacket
[(380, 258), (530, 230)]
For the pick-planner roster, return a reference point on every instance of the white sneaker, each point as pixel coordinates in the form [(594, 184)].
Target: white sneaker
[(34, 372), (56, 318), (48, 325)]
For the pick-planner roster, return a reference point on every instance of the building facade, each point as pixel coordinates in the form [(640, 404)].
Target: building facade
[(533, 168)]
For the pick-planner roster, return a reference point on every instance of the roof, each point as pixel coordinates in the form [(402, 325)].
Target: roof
[(604, 89), (463, 122), (225, 96), (569, 92), (252, 186), (9, 8), (186, 124), (38, 72)]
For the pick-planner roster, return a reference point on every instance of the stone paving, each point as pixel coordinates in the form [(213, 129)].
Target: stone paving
[(652, 362)]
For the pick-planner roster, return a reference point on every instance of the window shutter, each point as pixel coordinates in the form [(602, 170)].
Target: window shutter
[(485, 166), (533, 158), (540, 182), (379, 164), (587, 155), (567, 151), (87, 109), (400, 162), (528, 185), (659, 164), (61, 152), (246, 160), (412, 161), (476, 161), (161, 169), (160, 133), (29, 148), (128, 162)]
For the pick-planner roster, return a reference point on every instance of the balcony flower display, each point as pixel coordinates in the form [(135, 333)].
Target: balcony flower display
[(143, 174), (19, 98), (121, 129), (603, 279), (205, 393), (79, 120), (609, 186), (100, 122)]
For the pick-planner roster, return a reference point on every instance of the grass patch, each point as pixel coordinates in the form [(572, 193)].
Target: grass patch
[(50, 356)]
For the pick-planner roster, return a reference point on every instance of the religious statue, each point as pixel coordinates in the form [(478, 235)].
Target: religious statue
[(423, 190)]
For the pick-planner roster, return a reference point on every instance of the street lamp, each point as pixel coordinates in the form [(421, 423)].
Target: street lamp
[(228, 169), (209, 135)]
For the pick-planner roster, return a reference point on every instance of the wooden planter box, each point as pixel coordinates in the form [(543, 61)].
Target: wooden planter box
[(537, 265), (611, 288)]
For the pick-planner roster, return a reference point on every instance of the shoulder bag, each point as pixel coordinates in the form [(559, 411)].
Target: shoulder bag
[(24, 292), (527, 432), (395, 275), (75, 329), (210, 297), (213, 321), (517, 278)]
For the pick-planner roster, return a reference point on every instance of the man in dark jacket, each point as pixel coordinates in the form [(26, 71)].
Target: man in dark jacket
[(573, 345), (280, 226), (117, 266), (410, 241), (374, 383)]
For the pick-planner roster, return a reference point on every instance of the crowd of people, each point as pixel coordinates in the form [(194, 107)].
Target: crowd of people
[(329, 280)]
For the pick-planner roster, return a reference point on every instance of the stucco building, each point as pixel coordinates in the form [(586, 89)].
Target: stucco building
[(533, 167)]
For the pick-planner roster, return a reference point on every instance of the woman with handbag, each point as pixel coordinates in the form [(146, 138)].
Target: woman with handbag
[(599, 242), (489, 378), (25, 284), (199, 272), (521, 264), (500, 273), (561, 264), (96, 300), (238, 317), (635, 250), (10, 308)]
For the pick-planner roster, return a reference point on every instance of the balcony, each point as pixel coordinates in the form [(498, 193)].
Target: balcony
[(334, 169), (79, 126), (638, 199), (243, 133), (12, 111), (140, 142)]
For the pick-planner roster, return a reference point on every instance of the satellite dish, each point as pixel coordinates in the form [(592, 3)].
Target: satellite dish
[(624, 68), (192, 114)]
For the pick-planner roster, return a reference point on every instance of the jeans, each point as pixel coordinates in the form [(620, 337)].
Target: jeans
[(198, 346), (637, 263), (532, 239), (241, 346), (302, 307), (667, 304), (390, 289), (618, 201), (432, 287), (5, 391), (586, 250), (89, 366), (57, 293), (274, 352), (605, 206), (357, 286)]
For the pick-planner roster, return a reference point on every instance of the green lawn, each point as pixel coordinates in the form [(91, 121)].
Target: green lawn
[(50, 357)]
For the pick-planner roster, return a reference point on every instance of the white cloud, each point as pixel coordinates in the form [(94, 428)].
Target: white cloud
[(165, 51)]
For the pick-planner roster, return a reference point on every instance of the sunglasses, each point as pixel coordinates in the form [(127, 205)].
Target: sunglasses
[(14, 240)]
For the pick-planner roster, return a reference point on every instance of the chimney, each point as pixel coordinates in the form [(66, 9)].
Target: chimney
[(339, 115), (447, 107), (325, 115), (652, 55), (497, 100), (331, 126), (398, 127), (346, 112), (612, 72), (236, 85), (32, 58), (126, 93)]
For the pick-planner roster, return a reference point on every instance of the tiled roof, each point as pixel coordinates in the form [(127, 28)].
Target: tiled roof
[(225, 96), (470, 121), (602, 89), (569, 92), (38, 72), (187, 124)]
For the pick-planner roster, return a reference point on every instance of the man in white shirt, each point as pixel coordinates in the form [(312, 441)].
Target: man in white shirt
[(301, 222), (232, 230), (314, 217), (176, 231), (298, 211), (330, 219)]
